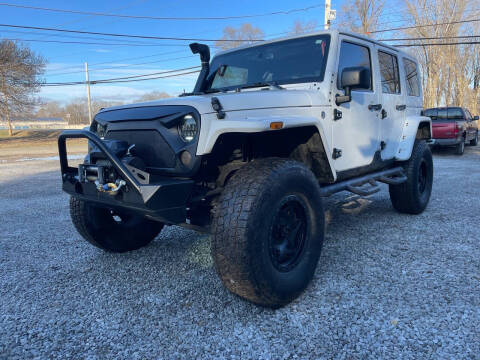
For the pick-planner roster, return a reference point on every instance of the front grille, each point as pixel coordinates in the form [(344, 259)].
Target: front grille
[(150, 146)]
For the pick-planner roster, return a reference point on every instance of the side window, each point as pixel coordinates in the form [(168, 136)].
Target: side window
[(389, 73), (455, 113), (431, 113), (411, 77), (442, 114), (353, 55)]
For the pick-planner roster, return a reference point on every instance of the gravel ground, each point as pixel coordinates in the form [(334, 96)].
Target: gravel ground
[(387, 285)]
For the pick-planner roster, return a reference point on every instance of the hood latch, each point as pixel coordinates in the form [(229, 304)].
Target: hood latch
[(217, 106)]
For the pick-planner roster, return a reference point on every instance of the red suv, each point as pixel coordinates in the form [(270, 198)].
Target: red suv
[(453, 126)]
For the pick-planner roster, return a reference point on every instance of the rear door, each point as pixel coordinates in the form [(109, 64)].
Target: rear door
[(443, 126), (393, 101), (457, 117)]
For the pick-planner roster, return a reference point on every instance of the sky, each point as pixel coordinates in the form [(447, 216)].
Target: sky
[(66, 61)]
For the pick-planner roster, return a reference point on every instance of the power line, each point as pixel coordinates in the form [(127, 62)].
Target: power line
[(152, 78), (90, 43), (439, 44), (434, 38), (124, 77), (124, 66), (144, 17), (120, 60), (120, 81), (150, 74), (116, 35), (81, 37), (426, 25)]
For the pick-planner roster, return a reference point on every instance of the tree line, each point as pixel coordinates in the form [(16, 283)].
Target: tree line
[(76, 111), (450, 73)]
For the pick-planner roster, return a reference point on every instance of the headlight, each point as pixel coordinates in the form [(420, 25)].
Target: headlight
[(188, 128), (101, 130)]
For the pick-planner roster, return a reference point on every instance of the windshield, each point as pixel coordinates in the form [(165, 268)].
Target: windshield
[(284, 62)]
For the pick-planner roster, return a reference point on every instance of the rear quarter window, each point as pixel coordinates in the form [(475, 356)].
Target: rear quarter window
[(411, 77), (455, 113)]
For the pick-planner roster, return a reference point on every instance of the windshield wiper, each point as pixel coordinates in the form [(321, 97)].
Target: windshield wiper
[(271, 84)]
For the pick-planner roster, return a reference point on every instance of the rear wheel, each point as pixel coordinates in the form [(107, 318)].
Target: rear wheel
[(112, 230), (460, 148), (474, 141), (412, 196), (268, 229)]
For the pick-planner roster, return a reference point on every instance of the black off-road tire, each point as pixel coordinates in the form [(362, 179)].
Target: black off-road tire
[(474, 141), (112, 231), (268, 230), (460, 148), (412, 196)]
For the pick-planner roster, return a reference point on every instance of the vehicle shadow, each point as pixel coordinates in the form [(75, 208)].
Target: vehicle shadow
[(448, 151)]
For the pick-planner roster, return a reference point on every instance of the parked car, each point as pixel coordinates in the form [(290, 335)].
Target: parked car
[(269, 130), (453, 126)]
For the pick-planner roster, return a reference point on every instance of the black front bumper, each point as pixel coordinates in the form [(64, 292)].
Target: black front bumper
[(163, 199)]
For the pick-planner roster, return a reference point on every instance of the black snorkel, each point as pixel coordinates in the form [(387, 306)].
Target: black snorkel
[(204, 52)]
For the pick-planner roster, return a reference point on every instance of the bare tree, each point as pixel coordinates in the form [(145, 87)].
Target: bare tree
[(76, 112), (153, 95), (361, 16), (50, 109), (233, 37), (448, 70), (20, 71), (302, 27)]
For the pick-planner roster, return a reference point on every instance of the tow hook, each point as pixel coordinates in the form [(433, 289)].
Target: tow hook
[(110, 188)]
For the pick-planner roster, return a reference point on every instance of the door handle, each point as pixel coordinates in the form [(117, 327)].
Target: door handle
[(384, 114), (401, 107), (376, 107)]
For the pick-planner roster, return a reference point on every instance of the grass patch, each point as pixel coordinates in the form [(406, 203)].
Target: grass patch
[(34, 135)]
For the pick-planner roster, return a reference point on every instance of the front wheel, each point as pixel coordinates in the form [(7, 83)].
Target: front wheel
[(111, 230), (268, 229), (474, 141), (412, 196)]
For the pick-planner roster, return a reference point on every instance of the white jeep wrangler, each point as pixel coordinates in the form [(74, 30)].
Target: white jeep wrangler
[(269, 130)]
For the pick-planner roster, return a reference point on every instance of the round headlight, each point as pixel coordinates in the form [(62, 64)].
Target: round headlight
[(101, 130), (188, 128)]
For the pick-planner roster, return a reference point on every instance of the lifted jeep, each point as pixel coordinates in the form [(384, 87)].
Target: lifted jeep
[(268, 131)]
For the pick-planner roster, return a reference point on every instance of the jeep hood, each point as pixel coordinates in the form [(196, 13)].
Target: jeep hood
[(235, 101)]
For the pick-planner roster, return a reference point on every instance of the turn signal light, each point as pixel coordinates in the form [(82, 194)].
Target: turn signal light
[(276, 125)]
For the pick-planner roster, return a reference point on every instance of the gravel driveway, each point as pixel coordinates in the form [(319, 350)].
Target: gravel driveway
[(387, 285)]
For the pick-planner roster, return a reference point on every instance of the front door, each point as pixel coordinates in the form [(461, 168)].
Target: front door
[(356, 135), (393, 101)]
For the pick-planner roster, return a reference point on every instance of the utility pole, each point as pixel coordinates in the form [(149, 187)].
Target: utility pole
[(329, 14), (88, 94), (328, 5)]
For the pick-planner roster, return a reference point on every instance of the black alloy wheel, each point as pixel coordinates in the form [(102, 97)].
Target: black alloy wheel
[(288, 233)]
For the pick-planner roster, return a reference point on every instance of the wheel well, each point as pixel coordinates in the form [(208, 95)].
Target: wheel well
[(233, 150), (424, 131)]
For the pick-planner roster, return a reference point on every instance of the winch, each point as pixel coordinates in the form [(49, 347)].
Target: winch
[(99, 170)]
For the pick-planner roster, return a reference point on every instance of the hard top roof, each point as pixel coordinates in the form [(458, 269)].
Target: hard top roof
[(331, 32)]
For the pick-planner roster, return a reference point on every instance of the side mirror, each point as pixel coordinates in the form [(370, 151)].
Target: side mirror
[(353, 78), (475, 118)]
